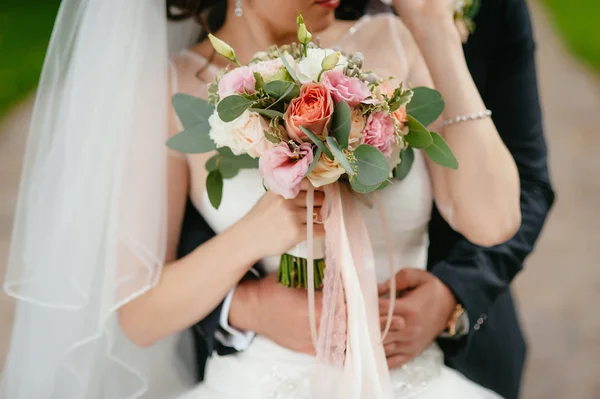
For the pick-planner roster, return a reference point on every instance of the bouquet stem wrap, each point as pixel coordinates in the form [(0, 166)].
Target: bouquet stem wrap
[(348, 343)]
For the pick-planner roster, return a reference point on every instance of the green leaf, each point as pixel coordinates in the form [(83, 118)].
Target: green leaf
[(361, 188), (418, 136), (440, 153), (341, 123), (371, 165), (231, 107), (212, 163), (269, 113), (214, 188), (426, 105), (260, 82), (287, 66), (407, 157), (194, 140), (316, 155), (281, 90), (243, 161), (317, 141), (339, 154), (192, 111)]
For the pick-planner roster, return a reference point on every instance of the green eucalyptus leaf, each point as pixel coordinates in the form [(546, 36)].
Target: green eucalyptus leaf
[(383, 185), (418, 136), (214, 188), (243, 161), (212, 163), (317, 141), (287, 65), (316, 155), (371, 166), (426, 105), (194, 140), (361, 188), (341, 123), (192, 111), (407, 157), (440, 153), (282, 90), (231, 107), (339, 154), (269, 113)]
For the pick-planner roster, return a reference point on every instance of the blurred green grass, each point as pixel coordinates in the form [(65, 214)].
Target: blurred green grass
[(25, 28), (578, 22)]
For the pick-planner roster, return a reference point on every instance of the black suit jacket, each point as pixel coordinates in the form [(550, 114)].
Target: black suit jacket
[(500, 56)]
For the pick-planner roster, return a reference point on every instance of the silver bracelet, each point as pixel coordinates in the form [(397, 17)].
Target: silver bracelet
[(465, 118)]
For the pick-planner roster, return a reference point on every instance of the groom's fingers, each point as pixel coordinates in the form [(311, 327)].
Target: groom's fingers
[(406, 279), (398, 323)]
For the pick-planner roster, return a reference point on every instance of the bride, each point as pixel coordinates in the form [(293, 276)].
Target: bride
[(93, 257)]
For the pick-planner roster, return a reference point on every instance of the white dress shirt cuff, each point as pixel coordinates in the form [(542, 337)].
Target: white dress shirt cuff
[(232, 337)]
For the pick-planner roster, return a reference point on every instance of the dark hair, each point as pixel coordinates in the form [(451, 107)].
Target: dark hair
[(211, 13)]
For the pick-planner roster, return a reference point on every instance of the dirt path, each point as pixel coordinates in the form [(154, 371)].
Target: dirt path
[(558, 293)]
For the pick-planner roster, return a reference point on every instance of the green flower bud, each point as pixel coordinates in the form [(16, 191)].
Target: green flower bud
[(222, 48), (330, 61), (304, 35)]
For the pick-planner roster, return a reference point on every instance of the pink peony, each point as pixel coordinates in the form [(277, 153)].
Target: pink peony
[(344, 88), (379, 132), (283, 170), (238, 81)]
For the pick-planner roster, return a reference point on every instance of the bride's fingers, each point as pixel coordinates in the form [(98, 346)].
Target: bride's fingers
[(305, 183), (300, 200)]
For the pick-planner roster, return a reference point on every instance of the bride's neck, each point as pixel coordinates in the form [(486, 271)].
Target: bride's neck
[(250, 33)]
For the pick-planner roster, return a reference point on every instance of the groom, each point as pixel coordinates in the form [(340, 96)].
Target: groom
[(485, 342)]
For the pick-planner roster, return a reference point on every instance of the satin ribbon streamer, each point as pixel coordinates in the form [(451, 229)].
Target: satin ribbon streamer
[(351, 325)]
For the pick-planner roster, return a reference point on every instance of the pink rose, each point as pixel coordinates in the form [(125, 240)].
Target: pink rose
[(344, 88), (379, 132), (312, 109), (238, 81), (283, 170)]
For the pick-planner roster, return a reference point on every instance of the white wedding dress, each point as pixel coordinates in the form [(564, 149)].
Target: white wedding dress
[(267, 370)]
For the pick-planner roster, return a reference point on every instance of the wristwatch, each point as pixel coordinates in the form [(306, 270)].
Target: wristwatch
[(458, 325)]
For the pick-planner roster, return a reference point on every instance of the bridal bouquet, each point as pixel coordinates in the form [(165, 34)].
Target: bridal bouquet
[(299, 111)]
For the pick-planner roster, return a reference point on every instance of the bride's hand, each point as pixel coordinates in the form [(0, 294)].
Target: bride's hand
[(276, 312), (426, 16), (277, 224)]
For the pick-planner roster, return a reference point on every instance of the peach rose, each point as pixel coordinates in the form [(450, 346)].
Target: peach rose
[(326, 171), (312, 109), (400, 117), (357, 125)]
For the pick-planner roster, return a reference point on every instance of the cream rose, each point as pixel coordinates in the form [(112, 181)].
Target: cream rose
[(325, 172), (244, 135), (357, 125)]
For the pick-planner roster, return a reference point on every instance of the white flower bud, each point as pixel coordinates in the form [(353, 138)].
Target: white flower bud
[(222, 48)]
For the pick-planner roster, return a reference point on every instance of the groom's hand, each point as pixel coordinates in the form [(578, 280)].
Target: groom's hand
[(276, 312), (421, 313)]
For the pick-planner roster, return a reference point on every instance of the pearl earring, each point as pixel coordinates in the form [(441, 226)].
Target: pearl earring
[(238, 8)]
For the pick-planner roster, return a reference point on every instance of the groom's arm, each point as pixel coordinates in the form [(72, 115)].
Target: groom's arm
[(477, 275)]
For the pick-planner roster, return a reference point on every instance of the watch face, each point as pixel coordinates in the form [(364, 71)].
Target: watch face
[(462, 324)]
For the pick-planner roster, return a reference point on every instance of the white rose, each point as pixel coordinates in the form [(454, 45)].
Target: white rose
[(309, 67), (244, 135)]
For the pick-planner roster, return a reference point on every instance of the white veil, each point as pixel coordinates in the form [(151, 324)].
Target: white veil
[(89, 233)]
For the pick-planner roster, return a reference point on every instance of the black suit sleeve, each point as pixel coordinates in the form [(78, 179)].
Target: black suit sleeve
[(478, 275)]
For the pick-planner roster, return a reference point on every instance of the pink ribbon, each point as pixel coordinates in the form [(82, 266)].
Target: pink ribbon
[(349, 338)]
